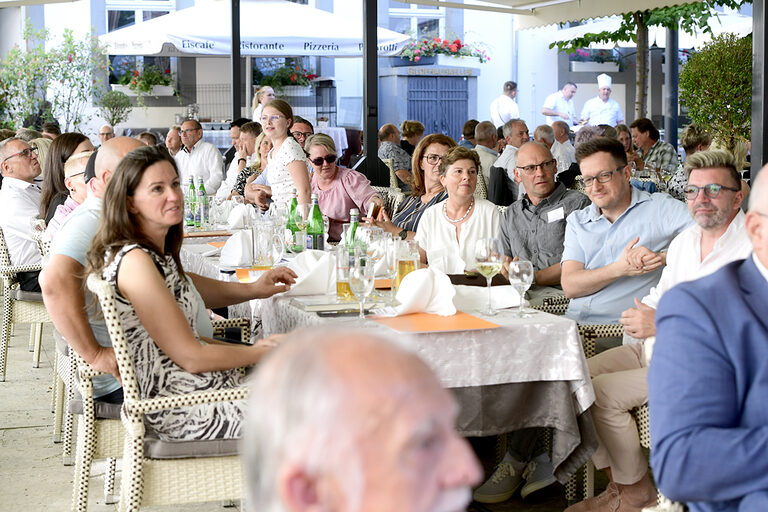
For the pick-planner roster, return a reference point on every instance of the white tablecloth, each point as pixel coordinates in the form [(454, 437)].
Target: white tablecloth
[(339, 136), (543, 347)]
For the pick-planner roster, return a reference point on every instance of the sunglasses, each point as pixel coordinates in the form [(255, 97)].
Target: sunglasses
[(329, 159)]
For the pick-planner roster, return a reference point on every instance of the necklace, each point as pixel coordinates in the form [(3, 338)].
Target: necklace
[(456, 221)]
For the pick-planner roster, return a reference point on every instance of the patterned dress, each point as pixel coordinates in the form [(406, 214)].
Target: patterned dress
[(158, 375)]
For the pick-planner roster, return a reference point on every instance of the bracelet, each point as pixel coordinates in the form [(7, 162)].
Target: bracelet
[(403, 234), (240, 160)]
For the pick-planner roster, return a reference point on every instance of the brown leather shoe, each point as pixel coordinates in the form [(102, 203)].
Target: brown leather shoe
[(609, 500)]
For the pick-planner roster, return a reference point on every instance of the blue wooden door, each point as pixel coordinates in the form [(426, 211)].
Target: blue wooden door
[(439, 102)]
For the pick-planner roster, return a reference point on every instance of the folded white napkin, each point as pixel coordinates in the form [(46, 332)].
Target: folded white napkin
[(426, 290), (237, 251), (472, 297), (446, 261), (316, 271), (239, 217)]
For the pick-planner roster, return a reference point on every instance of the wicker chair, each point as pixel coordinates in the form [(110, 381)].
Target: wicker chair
[(392, 198), (556, 305), (19, 307), (578, 184), (160, 481)]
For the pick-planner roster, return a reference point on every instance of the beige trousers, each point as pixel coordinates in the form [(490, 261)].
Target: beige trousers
[(619, 379)]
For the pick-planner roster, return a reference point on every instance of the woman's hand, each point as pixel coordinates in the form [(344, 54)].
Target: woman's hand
[(276, 280), (385, 224)]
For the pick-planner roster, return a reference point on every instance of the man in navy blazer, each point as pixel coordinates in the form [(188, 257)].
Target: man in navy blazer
[(708, 381)]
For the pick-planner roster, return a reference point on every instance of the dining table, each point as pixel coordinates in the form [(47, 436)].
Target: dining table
[(518, 373)]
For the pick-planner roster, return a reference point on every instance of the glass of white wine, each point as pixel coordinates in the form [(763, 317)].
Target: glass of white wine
[(521, 277), (488, 259), (301, 218), (361, 279)]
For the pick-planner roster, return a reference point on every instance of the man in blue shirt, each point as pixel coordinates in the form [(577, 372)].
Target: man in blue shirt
[(708, 381), (613, 250)]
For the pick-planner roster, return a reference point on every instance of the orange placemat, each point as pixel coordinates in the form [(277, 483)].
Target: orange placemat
[(382, 284), (202, 234), (424, 323), (244, 275), (217, 244)]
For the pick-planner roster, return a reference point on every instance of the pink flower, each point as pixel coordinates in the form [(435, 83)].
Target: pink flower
[(416, 58), (453, 48), (417, 51)]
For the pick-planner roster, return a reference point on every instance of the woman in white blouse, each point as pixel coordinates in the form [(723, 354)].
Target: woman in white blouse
[(260, 99), (287, 165), (449, 230)]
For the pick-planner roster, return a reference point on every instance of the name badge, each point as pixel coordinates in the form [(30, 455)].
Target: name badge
[(556, 214)]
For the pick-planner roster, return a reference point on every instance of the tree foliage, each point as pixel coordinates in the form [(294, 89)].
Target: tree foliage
[(60, 81), (115, 107), (716, 86), (689, 18)]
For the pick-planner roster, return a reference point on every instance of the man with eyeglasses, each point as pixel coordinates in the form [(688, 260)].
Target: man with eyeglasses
[(619, 375), (19, 205), (199, 159), (301, 129), (707, 380), (532, 229), (502, 186), (106, 132), (613, 249)]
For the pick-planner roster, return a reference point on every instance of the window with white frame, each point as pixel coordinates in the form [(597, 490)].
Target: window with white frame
[(419, 21), (125, 13)]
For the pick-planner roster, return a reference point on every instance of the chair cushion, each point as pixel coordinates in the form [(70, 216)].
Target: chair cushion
[(17, 294), (103, 410), (155, 448)]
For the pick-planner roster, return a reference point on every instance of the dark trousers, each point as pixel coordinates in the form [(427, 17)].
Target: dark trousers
[(28, 281)]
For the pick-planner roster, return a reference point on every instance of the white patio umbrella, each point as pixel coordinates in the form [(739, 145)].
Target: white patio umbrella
[(268, 28)]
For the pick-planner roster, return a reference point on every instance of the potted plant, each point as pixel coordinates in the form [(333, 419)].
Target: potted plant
[(439, 51), (149, 81), (583, 60), (115, 107), (290, 81)]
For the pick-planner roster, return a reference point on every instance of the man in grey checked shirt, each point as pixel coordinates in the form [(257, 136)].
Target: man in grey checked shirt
[(654, 152)]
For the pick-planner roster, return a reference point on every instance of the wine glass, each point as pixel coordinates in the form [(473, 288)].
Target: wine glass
[(521, 277), (361, 279), (390, 253), (301, 218), (488, 259)]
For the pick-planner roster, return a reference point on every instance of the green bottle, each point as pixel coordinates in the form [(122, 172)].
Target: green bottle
[(191, 202), (291, 224), (354, 222), (315, 235), (202, 206)]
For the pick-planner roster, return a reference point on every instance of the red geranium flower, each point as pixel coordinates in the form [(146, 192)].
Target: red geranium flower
[(453, 48)]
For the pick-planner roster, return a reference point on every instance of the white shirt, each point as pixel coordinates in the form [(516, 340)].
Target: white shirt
[(508, 160), (277, 169), (564, 153), (599, 112), (437, 237), (503, 109), (487, 157), (684, 256), (557, 102), (203, 162), (231, 179), (19, 204)]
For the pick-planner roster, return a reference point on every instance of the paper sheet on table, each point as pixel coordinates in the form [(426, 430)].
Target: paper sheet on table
[(316, 271), (426, 323), (475, 297)]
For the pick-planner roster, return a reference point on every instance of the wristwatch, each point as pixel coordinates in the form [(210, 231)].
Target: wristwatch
[(403, 234)]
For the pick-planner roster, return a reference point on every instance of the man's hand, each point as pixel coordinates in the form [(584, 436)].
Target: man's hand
[(640, 321), (636, 261), (106, 362), (505, 265), (276, 280), (257, 194)]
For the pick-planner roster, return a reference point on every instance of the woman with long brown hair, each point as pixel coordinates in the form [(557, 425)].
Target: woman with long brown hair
[(55, 191)]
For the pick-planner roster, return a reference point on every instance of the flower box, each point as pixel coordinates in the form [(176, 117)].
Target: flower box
[(292, 91), (594, 67), (157, 90)]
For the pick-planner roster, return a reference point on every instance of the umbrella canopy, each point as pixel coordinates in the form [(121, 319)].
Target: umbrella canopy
[(268, 28)]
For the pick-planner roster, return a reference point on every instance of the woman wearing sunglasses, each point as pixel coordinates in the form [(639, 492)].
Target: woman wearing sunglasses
[(338, 189)]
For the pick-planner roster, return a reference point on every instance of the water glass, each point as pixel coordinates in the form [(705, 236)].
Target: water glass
[(521, 278), (361, 279)]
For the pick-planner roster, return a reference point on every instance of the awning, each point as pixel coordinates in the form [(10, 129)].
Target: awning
[(268, 28), (732, 23), (535, 13), (20, 3)]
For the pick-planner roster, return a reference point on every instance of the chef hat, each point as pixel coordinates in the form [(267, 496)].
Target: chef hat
[(603, 81)]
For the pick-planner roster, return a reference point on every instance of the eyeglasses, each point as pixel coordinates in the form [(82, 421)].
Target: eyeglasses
[(190, 130), (297, 134), (76, 174), (432, 158), (711, 191), (106, 133), (27, 153), (603, 177), (545, 166), (327, 159), (265, 119)]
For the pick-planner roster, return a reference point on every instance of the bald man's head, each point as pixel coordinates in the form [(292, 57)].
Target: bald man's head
[(109, 156)]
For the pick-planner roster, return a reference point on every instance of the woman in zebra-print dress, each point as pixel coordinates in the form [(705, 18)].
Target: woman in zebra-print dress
[(137, 250)]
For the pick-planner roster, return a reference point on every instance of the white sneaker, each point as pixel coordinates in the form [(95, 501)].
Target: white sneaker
[(538, 474), (503, 483)]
